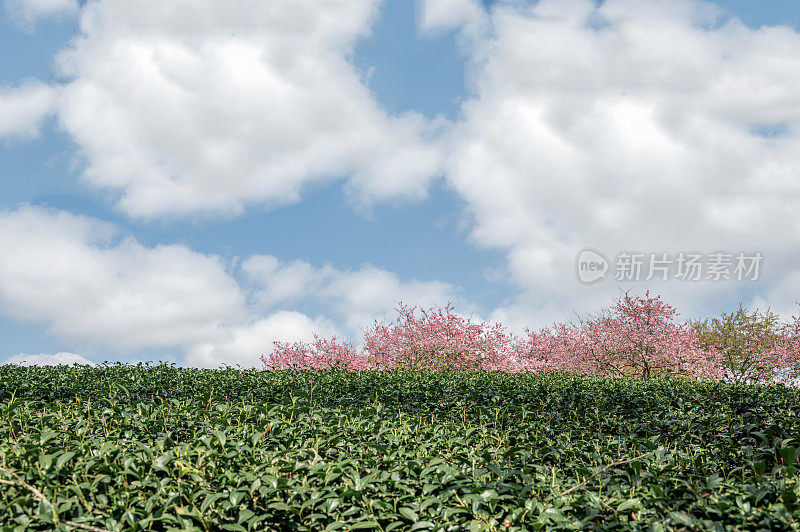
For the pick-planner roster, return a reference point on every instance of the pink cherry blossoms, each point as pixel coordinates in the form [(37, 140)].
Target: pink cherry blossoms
[(781, 363), (436, 339), (321, 354), (639, 336)]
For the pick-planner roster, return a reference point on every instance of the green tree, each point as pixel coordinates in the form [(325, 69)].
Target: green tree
[(752, 343)]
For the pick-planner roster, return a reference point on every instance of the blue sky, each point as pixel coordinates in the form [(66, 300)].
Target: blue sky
[(427, 162)]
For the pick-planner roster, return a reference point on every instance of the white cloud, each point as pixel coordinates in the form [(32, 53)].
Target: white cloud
[(43, 359), (372, 293), (632, 125), (643, 125), (23, 108), (442, 15), (69, 272), (25, 12), (348, 302), (208, 108), (244, 345), (279, 283), (783, 297), (357, 297), (90, 285)]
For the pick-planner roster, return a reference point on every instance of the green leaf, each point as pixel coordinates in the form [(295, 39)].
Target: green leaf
[(788, 454), (628, 504), (46, 460), (364, 524), (231, 526), (210, 499), (280, 506), (489, 495), (682, 518), (46, 437), (409, 514), (64, 458)]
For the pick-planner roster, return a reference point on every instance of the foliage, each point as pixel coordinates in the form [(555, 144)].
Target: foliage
[(162, 448), (754, 346)]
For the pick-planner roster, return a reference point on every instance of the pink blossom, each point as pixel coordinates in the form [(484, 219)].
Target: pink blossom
[(638, 336), (436, 339), (321, 354)]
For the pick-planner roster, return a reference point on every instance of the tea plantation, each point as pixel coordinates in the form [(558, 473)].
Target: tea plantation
[(164, 448)]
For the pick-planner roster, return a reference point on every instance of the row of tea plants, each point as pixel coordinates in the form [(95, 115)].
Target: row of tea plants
[(164, 448)]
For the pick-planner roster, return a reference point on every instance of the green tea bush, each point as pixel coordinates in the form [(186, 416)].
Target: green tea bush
[(165, 448)]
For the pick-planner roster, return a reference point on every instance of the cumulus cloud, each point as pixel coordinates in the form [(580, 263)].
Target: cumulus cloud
[(348, 302), (186, 107), (244, 345), (626, 125), (25, 12), (72, 273), (629, 125), (783, 297), (356, 297), (89, 284), (436, 16), (23, 108), (43, 359)]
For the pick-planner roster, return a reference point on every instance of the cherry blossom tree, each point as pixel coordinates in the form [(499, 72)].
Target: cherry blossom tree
[(790, 349), (548, 349), (640, 337), (436, 338), (320, 354)]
